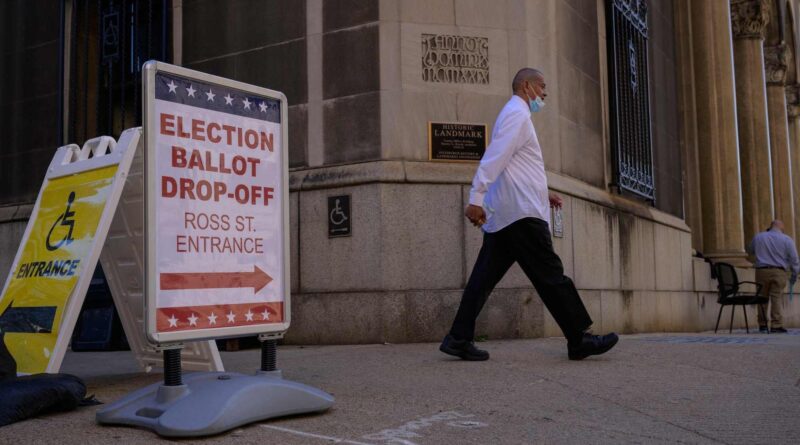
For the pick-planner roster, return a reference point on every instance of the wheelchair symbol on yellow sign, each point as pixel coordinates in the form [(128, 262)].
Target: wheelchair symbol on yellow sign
[(64, 219)]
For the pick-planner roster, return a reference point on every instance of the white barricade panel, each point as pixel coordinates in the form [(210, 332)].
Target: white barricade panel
[(123, 259)]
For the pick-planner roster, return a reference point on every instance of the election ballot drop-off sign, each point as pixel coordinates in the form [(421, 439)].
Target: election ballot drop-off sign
[(217, 200), (216, 231)]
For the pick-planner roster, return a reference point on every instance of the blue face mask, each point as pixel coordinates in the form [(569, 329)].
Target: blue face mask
[(536, 105)]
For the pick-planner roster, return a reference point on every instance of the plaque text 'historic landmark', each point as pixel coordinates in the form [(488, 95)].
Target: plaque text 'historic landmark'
[(456, 142)]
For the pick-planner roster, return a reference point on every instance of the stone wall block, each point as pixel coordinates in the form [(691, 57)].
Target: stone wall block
[(669, 256), (421, 236), (551, 328), (352, 128), (429, 314), (701, 270), (645, 311), (663, 321), (342, 318), (338, 264), (481, 14), (531, 314), (637, 253), (440, 12), (405, 116), (501, 317), (597, 246), (615, 312), (686, 317), (686, 258)]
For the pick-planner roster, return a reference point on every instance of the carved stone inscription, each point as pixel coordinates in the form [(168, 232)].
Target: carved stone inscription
[(455, 59)]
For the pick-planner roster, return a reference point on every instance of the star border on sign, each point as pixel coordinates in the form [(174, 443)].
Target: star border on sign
[(212, 319), (249, 315), (210, 95), (190, 91), (193, 319), (246, 103), (172, 87), (263, 107), (173, 322), (265, 314), (231, 317), (228, 99)]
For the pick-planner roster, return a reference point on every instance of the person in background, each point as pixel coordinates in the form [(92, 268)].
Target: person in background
[(775, 262)]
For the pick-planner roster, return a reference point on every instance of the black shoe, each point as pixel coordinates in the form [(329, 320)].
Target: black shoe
[(463, 349), (763, 330), (592, 345), (778, 331)]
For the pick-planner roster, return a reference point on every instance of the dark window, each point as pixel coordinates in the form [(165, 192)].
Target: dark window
[(110, 40), (630, 98)]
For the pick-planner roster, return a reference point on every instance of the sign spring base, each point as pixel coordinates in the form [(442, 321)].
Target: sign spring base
[(207, 403)]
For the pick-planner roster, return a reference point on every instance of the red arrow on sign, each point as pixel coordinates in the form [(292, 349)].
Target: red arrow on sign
[(256, 279)]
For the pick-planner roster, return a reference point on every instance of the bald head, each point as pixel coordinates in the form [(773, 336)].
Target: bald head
[(523, 75), (777, 224)]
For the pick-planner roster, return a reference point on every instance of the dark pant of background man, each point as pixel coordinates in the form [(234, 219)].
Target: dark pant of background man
[(528, 243), (773, 281)]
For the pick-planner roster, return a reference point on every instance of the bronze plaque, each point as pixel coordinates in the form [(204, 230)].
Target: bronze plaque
[(456, 142)]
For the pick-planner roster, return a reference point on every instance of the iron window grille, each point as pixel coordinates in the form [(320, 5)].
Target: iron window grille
[(632, 156), (109, 42)]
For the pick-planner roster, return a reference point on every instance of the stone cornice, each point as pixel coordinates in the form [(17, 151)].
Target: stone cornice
[(749, 18), (793, 101), (422, 172), (776, 60)]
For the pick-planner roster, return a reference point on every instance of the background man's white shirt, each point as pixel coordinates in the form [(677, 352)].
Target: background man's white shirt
[(511, 182)]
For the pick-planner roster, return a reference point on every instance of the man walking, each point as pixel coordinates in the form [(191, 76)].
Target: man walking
[(509, 200), (775, 256)]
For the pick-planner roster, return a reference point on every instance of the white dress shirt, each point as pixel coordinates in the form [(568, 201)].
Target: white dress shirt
[(511, 183)]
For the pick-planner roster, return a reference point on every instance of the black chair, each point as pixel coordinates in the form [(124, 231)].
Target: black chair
[(729, 295)]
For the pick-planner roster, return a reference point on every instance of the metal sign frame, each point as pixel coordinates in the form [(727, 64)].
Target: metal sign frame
[(151, 282), (95, 154), (456, 161)]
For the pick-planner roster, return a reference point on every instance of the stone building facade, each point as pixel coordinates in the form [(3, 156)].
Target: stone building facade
[(365, 77)]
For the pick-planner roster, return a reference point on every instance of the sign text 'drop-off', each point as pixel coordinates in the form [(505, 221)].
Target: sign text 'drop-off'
[(216, 237)]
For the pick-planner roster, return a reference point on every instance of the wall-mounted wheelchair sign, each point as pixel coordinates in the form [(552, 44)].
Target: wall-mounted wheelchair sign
[(339, 217)]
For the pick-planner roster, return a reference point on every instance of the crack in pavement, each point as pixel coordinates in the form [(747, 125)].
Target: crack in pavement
[(630, 408), (748, 377)]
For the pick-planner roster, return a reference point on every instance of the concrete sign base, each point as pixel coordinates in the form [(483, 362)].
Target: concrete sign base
[(213, 402)]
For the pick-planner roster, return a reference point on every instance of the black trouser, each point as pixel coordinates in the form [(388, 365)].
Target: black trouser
[(528, 243)]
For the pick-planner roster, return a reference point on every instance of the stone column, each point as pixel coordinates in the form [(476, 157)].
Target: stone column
[(684, 59), (749, 20), (775, 61), (793, 111), (721, 194)]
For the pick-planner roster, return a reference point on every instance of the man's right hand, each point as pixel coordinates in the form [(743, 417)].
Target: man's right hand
[(475, 215)]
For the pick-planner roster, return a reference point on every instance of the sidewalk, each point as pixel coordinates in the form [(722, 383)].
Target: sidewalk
[(652, 388)]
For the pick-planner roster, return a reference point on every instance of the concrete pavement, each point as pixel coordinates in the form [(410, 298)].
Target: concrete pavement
[(652, 388)]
